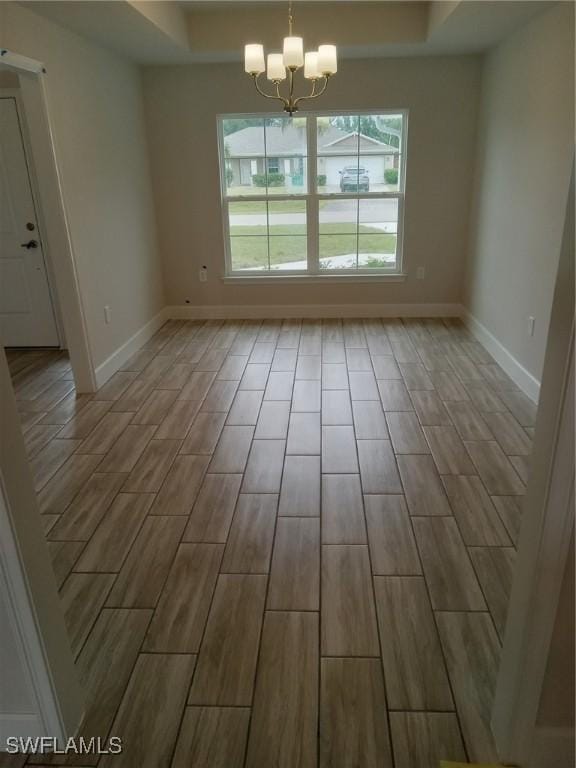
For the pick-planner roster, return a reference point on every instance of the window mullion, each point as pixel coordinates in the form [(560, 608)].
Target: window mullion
[(312, 208)]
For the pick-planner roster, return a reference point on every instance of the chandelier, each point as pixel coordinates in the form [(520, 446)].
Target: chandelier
[(318, 67)]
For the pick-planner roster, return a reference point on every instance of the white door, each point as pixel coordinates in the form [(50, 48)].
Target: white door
[(26, 312)]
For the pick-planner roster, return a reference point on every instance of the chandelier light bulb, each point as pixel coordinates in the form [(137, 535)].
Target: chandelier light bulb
[(318, 65)]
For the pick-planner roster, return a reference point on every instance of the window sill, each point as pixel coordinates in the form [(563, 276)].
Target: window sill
[(396, 277)]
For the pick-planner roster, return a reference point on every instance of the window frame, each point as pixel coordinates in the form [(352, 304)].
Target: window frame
[(311, 198)]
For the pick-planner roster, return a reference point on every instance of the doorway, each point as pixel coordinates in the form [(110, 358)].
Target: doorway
[(27, 316)]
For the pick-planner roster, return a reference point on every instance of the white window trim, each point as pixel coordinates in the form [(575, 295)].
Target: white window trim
[(311, 198)]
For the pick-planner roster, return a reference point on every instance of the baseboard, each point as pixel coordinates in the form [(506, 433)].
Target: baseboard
[(261, 311), (117, 359), (505, 359)]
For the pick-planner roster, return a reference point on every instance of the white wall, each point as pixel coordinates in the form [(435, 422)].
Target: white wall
[(95, 99), (526, 145), (441, 95)]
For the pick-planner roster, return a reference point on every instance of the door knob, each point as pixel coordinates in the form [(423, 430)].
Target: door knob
[(29, 244)]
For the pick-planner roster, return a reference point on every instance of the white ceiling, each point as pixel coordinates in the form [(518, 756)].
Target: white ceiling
[(187, 31)]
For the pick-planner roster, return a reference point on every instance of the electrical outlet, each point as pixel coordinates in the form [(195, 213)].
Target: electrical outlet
[(531, 322), (203, 274), (107, 315), (420, 273)]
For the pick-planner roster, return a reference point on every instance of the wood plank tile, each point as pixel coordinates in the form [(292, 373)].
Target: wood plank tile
[(472, 654), (448, 451), (233, 367), (63, 555), (126, 451), (105, 434), (485, 400), (339, 450), (348, 612), (178, 420), (176, 377), (464, 367), (262, 352), (394, 395), (509, 434), (105, 664), (415, 376), (80, 520), (287, 682), (255, 376), (211, 360), (150, 712), (204, 433), (334, 376), (342, 510), (212, 513), (522, 408), (448, 386), (497, 474), (353, 717), (179, 619), (232, 450), (295, 571), (180, 488), (363, 385), (48, 522), (476, 516), (251, 535), (413, 664), (523, 466), (494, 567), (404, 351), (111, 542), (263, 472), (392, 546), (495, 376), (406, 433), (198, 385), (468, 422), (155, 407), (430, 409), (358, 360), (300, 491), (308, 367), (227, 660), (336, 409), (422, 739), (48, 399), (510, 510), (369, 421), (220, 396), (142, 576), (152, 466), (378, 468), (212, 736), (46, 463), (84, 422), (449, 574), (284, 360), (333, 352), (272, 421), (306, 396), (83, 595), (245, 408), (422, 485), (304, 434), (385, 367)]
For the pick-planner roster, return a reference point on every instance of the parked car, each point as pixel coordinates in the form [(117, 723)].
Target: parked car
[(354, 179)]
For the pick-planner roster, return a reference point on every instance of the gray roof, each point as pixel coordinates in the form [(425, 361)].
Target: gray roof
[(249, 142)]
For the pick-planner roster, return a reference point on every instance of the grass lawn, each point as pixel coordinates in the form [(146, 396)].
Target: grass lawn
[(288, 243), (258, 206)]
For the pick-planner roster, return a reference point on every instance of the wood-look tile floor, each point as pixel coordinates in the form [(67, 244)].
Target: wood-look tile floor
[(284, 543)]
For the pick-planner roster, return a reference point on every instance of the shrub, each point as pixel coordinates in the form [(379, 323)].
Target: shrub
[(322, 180), (391, 175), (229, 176), (274, 179), (259, 179)]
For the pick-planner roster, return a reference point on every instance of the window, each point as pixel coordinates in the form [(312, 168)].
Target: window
[(313, 195)]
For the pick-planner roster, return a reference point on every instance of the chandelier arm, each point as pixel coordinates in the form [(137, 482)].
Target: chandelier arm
[(277, 96), (312, 94)]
